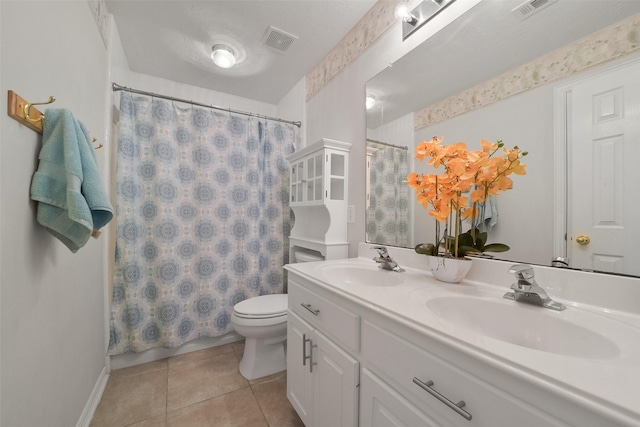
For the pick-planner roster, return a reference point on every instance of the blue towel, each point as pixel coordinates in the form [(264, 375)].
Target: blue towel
[(71, 200)]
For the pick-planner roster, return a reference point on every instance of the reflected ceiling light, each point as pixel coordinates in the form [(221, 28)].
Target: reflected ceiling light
[(402, 12), (223, 56), (420, 15), (370, 101)]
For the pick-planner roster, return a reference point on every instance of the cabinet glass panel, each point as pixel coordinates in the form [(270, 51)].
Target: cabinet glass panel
[(318, 195), (310, 169), (337, 189), (300, 174), (319, 165), (310, 190), (337, 164), (299, 194)]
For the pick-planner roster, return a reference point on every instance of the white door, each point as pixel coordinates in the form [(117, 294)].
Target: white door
[(336, 385), (604, 171), (299, 375)]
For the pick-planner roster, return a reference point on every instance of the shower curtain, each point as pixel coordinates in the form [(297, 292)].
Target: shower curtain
[(388, 204), (203, 220)]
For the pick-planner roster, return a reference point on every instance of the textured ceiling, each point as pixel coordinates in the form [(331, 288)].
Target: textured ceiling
[(173, 40)]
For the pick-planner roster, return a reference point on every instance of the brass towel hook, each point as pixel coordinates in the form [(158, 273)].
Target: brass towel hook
[(27, 108)]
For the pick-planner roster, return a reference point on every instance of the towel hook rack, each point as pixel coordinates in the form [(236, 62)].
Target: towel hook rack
[(25, 112), (28, 105)]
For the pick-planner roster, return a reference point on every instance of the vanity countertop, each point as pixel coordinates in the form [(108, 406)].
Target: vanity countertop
[(605, 376)]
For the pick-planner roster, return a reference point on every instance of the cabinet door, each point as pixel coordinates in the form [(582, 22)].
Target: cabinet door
[(336, 379), (298, 180), (299, 375), (382, 406), (315, 175), (337, 173)]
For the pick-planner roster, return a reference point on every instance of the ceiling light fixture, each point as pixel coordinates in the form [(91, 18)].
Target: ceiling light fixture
[(420, 15), (223, 56), (402, 12), (370, 101)]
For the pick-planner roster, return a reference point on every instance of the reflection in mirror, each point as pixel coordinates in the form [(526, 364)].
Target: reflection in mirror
[(474, 80), (387, 202)]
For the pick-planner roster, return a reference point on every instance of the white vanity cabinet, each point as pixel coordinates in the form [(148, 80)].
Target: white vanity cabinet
[(446, 394), (352, 361), (322, 378)]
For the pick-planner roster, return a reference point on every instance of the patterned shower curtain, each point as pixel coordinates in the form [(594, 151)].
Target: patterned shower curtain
[(388, 204), (203, 220)]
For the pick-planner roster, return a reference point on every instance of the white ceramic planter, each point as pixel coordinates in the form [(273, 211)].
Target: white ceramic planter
[(451, 270)]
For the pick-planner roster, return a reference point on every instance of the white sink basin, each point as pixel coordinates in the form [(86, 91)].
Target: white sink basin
[(359, 275), (527, 326)]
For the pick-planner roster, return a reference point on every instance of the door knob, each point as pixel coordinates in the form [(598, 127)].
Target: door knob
[(583, 240)]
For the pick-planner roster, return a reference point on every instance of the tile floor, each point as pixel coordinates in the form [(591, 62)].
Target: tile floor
[(202, 388)]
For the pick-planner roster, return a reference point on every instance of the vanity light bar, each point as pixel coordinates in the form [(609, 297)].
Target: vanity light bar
[(422, 14)]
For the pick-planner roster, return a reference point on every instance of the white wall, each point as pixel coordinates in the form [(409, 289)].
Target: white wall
[(52, 314), (337, 111)]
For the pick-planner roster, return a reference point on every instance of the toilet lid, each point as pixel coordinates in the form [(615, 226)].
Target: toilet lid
[(263, 306)]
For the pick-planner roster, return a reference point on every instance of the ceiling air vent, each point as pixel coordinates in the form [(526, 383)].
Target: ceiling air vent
[(278, 40), (527, 9)]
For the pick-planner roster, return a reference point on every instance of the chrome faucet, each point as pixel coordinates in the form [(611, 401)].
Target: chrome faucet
[(527, 290), (385, 260)]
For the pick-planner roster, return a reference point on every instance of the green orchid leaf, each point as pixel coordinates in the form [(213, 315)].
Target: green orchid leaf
[(465, 239), (426, 249), (481, 239), (468, 250), (496, 247)]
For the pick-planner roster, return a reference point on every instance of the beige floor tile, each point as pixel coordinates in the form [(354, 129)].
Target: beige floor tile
[(140, 369), (194, 356), (200, 380), (235, 409), (271, 393), (153, 422), (128, 399), (238, 347)]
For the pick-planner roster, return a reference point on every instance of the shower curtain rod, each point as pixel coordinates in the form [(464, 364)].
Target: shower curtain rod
[(387, 144), (116, 88)]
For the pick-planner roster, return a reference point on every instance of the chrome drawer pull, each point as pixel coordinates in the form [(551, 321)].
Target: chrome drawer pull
[(315, 312), (304, 349), (311, 362), (304, 352), (428, 387)]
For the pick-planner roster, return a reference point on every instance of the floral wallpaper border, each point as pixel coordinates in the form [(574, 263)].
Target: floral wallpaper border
[(613, 42), (374, 24)]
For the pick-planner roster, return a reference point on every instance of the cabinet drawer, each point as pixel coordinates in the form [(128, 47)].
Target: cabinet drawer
[(328, 317), (399, 362), (381, 406)]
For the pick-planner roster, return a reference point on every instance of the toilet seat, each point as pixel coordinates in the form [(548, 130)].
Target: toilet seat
[(262, 307)]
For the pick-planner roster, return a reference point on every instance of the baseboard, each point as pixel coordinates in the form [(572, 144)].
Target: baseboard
[(94, 400), (131, 359)]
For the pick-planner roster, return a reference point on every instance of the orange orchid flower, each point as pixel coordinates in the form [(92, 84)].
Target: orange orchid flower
[(469, 176)]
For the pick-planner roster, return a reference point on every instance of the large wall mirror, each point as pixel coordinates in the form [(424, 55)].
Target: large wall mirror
[(531, 83)]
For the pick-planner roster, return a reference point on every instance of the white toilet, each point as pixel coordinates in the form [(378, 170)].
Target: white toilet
[(263, 322)]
